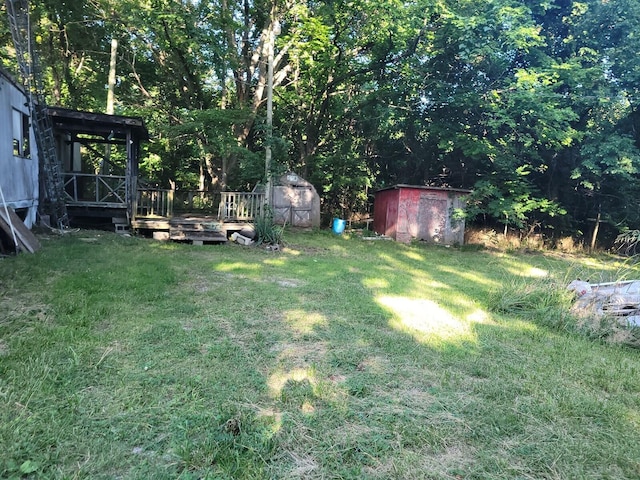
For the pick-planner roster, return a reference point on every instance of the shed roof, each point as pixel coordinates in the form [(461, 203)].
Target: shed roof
[(425, 187), (97, 123)]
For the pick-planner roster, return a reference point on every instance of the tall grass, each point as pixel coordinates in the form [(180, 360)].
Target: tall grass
[(548, 302)]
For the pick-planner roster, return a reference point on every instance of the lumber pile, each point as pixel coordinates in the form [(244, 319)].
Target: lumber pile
[(20, 236), (617, 300)]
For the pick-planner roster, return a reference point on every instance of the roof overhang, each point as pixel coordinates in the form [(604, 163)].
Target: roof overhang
[(100, 124), (399, 186)]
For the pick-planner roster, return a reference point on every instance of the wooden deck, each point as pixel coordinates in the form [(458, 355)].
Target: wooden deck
[(190, 228), (104, 196)]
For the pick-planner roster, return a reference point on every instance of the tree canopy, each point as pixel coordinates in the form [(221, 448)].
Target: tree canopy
[(533, 104)]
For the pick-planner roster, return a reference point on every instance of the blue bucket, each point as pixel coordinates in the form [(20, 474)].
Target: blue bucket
[(338, 225)]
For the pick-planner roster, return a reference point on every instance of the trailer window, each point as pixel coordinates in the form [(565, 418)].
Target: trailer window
[(21, 134)]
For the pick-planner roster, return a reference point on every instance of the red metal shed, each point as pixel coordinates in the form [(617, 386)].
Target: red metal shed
[(407, 212)]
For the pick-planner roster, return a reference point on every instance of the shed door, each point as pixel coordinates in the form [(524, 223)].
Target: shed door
[(292, 206), (432, 218)]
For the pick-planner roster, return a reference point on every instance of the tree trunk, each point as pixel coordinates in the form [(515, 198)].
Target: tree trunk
[(112, 78), (201, 182), (596, 227)]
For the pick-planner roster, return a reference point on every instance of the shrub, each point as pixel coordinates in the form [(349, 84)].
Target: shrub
[(267, 232)]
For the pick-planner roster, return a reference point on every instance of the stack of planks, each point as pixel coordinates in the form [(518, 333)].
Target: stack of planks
[(196, 230)]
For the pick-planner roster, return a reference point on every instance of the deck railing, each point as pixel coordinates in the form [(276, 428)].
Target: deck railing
[(95, 190), (191, 201), (85, 189), (154, 202), (240, 206), (228, 206)]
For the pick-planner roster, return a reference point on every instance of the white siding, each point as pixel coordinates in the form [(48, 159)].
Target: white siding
[(18, 175)]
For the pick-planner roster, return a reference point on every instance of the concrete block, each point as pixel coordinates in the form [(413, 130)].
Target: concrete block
[(161, 236), (122, 229), (241, 239)]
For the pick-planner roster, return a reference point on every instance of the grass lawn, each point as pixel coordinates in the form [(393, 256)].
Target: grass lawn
[(124, 358)]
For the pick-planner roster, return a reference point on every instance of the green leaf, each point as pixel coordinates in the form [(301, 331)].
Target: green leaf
[(28, 467)]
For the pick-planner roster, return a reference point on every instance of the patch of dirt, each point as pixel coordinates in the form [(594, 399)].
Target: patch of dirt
[(232, 426), (187, 326), (373, 364), (417, 397), (201, 287), (301, 354), (304, 465), (288, 283), (301, 250), (454, 456), (23, 307)]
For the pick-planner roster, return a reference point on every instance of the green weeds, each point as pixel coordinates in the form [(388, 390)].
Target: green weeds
[(547, 302), (267, 232)]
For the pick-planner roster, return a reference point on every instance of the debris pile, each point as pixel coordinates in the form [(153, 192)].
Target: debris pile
[(619, 301), (241, 239)]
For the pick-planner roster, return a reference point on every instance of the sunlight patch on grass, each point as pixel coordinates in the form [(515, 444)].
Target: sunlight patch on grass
[(479, 316), (304, 322), (419, 274), (172, 246), (376, 283), (279, 379), (525, 269), (633, 417), (537, 272), (522, 325), (472, 277), (611, 263), (275, 262), (274, 419), (386, 258), (307, 407), (237, 267), (413, 255), (426, 321)]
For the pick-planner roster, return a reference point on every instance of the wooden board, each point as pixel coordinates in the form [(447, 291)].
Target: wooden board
[(26, 239), (200, 236)]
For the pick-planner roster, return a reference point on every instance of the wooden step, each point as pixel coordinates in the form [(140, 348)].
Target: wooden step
[(198, 236), (196, 230)]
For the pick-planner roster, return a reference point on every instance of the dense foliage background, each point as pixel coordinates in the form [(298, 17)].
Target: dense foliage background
[(532, 103)]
